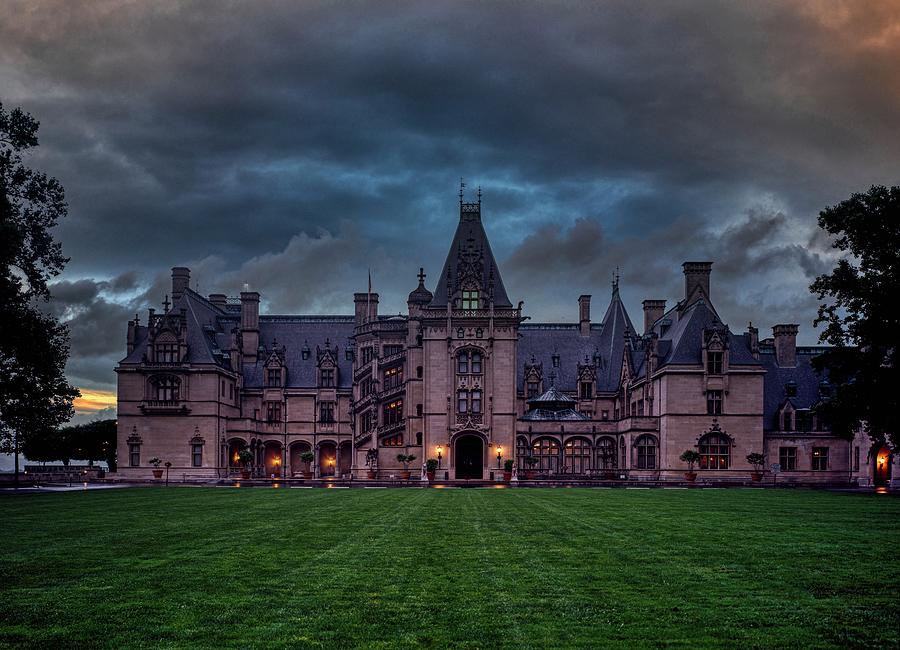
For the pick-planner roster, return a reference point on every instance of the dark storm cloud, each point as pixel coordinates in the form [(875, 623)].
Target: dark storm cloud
[(293, 145)]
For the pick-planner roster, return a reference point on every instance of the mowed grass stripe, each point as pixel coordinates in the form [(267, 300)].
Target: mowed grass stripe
[(448, 568)]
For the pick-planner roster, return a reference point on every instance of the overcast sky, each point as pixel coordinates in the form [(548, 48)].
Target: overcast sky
[(293, 145)]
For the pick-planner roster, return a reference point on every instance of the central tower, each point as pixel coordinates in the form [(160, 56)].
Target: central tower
[(469, 337)]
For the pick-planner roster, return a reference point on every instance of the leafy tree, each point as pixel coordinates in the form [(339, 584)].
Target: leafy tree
[(92, 441), (860, 314), (34, 393)]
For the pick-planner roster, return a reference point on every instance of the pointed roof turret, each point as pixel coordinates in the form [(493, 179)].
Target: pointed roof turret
[(420, 295), (615, 335), (470, 264)]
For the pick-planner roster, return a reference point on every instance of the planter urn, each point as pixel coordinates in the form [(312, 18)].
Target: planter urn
[(157, 473), (756, 477), (690, 477), (404, 475), (245, 474)]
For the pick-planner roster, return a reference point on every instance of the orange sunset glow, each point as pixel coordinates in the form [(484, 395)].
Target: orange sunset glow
[(92, 401)]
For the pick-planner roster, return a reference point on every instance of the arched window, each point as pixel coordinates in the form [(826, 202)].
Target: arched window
[(607, 454), (714, 451), (577, 456), (166, 389), (521, 452), (646, 447), (546, 450)]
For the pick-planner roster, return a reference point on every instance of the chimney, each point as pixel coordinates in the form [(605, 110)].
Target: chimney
[(219, 300), (786, 345), (653, 311), (584, 314), (250, 323), (696, 276), (132, 333), (363, 302), (753, 339), (181, 279)]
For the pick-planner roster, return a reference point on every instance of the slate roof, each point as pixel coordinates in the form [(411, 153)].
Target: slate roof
[(776, 380), (605, 341), (470, 232)]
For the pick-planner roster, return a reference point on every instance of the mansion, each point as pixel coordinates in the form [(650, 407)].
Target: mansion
[(465, 378)]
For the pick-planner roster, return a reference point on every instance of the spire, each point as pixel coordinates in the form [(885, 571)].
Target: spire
[(470, 263)]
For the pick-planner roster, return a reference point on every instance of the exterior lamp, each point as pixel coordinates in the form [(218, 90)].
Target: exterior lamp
[(440, 450), (499, 455)]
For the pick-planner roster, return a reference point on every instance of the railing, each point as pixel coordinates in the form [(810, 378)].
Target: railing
[(391, 358), (387, 429), (390, 392), (485, 313), (164, 406), (164, 364), (474, 418), (382, 326)]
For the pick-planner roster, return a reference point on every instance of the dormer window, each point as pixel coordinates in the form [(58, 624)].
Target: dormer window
[(587, 390), (470, 300), (714, 362), (532, 389), (556, 361), (326, 378), (305, 352), (790, 389), (273, 377), (166, 352), (348, 354)]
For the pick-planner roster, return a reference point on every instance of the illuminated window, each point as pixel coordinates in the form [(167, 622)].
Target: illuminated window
[(577, 456), (714, 362), (787, 458), (393, 441), (546, 450), (393, 412), (646, 452), (393, 377), (714, 402), (715, 451), (470, 300), (820, 459)]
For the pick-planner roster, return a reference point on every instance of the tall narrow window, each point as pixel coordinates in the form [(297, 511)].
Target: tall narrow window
[(134, 455), (393, 377), (714, 402), (274, 377), (820, 459), (462, 401), (273, 411), (476, 363), (326, 412), (327, 375), (393, 412), (476, 401), (714, 362), (606, 453), (196, 455), (646, 452), (587, 390), (462, 363), (856, 459), (788, 421), (532, 389), (167, 389)]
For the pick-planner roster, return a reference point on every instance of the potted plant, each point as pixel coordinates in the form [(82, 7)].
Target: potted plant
[(690, 457), (372, 464), (430, 468), (405, 460), (759, 462), (507, 470), (156, 462), (531, 461), (307, 457), (245, 456)]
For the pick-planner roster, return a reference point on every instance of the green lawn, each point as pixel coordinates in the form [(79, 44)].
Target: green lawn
[(464, 568)]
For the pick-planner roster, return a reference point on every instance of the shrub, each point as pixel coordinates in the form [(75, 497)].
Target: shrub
[(690, 457)]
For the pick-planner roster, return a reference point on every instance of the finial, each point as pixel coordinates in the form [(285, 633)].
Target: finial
[(421, 276), (479, 195), (166, 304), (552, 378), (461, 188), (615, 281)]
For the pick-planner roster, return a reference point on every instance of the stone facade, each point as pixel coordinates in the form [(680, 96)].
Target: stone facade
[(464, 377)]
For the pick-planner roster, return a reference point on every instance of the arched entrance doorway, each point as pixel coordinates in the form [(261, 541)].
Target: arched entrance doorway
[(883, 466), (272, 458), (235, 446), (468, 456), (327, 458), (298, 466)]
